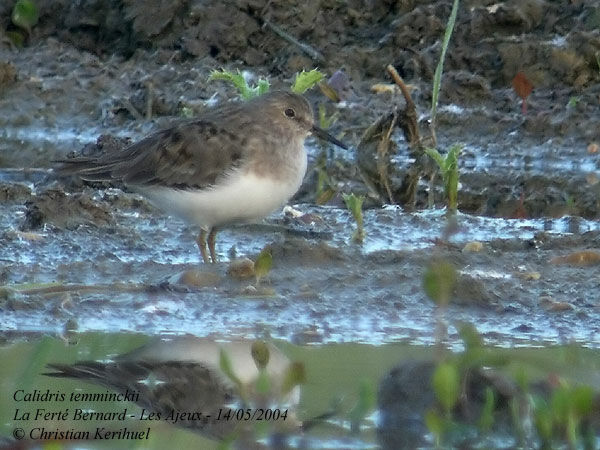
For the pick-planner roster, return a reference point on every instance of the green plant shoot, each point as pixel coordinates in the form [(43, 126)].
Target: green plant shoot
[(326, 122), (354, 205), (364, 405), (449, 169), (573, 101), (438, 282), (436, 425), (437, 77), (446, 385), (486, 419), (325, 189), (25, 14), (263, 264), (295, 375), (227, 369), (544, 424), (306, 80), (260, 354), (241, 84)]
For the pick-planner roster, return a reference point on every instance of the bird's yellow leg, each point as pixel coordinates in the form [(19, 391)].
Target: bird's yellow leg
[(201, 241), (212, 236)]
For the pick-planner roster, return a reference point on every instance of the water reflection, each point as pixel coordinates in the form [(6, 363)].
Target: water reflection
[(217, 389)]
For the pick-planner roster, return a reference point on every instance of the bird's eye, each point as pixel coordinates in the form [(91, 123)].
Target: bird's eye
[(290, 112)]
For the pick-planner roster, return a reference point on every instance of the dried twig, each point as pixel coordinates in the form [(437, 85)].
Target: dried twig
[(65, 288), (314, 54), (261, 18), (400, 82), (149, 99), (382, 158), (132, 109), (409, 115)]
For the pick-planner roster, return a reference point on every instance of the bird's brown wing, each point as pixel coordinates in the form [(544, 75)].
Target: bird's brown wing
[(162, 386), (192, 154)]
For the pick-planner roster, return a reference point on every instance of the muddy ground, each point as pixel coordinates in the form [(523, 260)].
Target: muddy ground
[(529, 182)]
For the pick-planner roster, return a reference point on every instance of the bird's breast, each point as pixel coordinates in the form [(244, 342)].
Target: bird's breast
[(243, 196)]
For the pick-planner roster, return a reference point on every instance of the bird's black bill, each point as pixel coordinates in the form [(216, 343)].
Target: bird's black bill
[(320, 133)]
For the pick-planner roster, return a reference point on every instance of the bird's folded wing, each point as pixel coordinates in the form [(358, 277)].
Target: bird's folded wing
[(192, 155)]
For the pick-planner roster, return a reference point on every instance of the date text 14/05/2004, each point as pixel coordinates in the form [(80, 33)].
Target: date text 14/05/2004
[(227, 414)]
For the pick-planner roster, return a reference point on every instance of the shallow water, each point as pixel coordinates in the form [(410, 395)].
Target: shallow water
[(333, 378)]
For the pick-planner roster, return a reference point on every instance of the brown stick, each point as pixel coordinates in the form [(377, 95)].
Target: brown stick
[(400, 82), (408, 119)]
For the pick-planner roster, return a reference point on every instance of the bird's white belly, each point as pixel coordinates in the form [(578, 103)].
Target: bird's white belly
[(242, 197)]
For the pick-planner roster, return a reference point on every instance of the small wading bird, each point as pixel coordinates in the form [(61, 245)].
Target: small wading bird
[(185, 374), (236, 163)]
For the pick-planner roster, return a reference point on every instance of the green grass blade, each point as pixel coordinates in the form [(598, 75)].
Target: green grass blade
[(437, 78)]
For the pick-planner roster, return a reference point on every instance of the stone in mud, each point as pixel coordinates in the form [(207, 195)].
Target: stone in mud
[(294, 251), (8, 75), (470, 291), (14, 192), (198, 278), (64, 211), (462, 87), (241, 269)]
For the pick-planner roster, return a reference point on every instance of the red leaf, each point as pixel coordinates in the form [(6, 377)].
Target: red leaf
[(522, 85)]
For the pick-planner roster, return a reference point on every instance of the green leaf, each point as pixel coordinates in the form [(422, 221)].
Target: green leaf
[(263, 384), (227, 368), (449, 169), (543, 419), (186, 112), (486, 419), (446, 385), (573, 101), (324, 191), (305, 80), (439, 281), (452, 157), (260, 354), (365, 404), (436, 424), (262, 86), (560, 403), (53, 445), (239, 82), (470, 337), (25, 14), (522, 378), (451, 188), (324, 121), (583, 400), (354, 205), (263, 263), (435, 155), (295, 375)]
